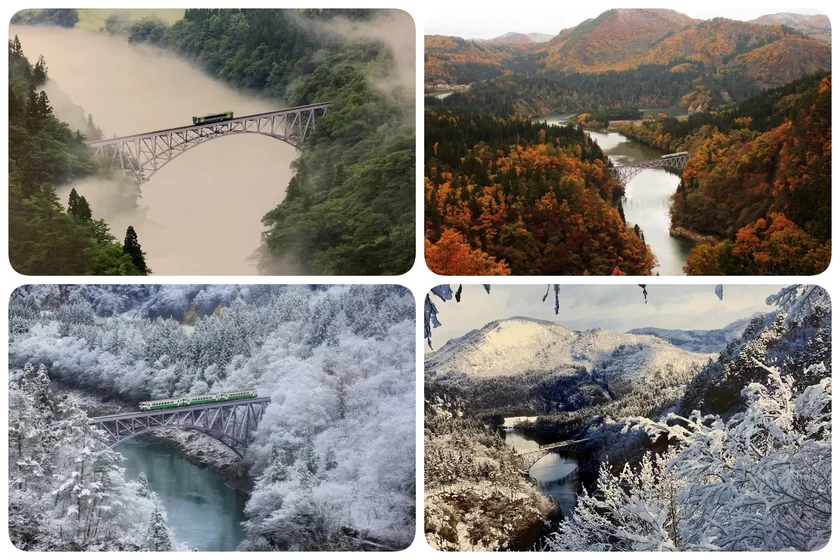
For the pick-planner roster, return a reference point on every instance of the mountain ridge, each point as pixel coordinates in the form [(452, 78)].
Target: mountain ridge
[(521, 345)]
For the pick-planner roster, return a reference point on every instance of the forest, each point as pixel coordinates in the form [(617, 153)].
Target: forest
[(45, 237), (350, 207), (512, 197), (332, 463), (738, 457), (759, 180), (753, 100)]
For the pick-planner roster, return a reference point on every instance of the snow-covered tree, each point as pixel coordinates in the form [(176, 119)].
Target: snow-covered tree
[(636, 509), (157, 537), (760, 480)]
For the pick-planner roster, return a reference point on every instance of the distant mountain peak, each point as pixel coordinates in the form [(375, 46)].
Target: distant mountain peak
[(519, 345)]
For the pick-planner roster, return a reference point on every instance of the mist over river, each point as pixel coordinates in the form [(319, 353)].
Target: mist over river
[(201, 213)]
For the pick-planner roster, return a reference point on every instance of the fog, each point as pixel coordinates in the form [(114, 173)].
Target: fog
[(200, 214)]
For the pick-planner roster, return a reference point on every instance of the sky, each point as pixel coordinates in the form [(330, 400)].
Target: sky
[(465, 19), (616, 308)]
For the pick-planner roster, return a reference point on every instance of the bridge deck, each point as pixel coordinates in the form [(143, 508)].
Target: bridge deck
[(301, 108), (550, 446), (142, 413)]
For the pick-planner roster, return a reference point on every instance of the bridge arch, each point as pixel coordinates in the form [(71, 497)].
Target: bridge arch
[(236, 446), (233, 423), (626, 173), (142, 155)]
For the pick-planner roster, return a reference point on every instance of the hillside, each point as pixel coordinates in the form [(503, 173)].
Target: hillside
[(514, 38), (521, 345), (713, 340), (817, 26), (615, 40), (732, 57), (454, 60)]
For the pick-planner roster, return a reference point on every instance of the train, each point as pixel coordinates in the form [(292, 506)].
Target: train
[(213, 118), (678, 154), (145, 406)]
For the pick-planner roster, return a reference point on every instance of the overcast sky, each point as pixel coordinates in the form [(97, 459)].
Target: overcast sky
[(486, 20), (616, 308)]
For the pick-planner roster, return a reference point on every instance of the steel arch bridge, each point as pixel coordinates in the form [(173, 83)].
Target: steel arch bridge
[(141, 155), (234, 423), (530, 458), (625, 173)]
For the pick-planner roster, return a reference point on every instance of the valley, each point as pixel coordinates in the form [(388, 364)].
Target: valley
[(500, 391), (634, 71)]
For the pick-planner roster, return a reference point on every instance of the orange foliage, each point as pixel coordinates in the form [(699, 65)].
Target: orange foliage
[(451, 256)]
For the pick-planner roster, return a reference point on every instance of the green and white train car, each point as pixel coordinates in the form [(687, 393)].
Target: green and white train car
[(201, 399), (213, 118)]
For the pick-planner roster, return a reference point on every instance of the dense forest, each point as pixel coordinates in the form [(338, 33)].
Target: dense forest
[(44, 153), (733, 453), (755, 196), (526, 95), (759, 180), (333, 461), (512, 197), (350, 207)]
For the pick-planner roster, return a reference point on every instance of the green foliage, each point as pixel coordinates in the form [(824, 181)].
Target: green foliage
[(43, 152), (62, 17), (350, 207)]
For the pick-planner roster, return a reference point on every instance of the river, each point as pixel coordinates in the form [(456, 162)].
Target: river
[(647, 198), (200, 214), (554, 474), (203, 512)]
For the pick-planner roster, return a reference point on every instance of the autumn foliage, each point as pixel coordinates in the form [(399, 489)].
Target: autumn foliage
[(451, 255), (768, 195), (535, 199)]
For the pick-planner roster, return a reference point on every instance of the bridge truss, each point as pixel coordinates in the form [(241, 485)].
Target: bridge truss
[(140, 156), (530, 458), (234, 423), (626, 173)]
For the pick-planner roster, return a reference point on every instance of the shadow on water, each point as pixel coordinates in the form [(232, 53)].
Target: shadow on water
[(202, 510)]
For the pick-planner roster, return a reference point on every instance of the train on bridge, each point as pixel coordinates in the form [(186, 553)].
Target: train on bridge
[(678, 154), (201, 399), (213, 118)]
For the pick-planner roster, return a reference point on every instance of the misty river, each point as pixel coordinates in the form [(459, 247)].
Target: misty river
[(201, 213), (202, 511), (647, 199)]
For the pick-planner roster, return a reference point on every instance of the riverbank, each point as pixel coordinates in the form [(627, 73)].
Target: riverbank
[(697, 238)]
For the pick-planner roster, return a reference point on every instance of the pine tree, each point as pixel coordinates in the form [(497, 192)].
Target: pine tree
[(143, 491), (132, 248), (158, 535), (39, 72), (73, 202), (83, 211)]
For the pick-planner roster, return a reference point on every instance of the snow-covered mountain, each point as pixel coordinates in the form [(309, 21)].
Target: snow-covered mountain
[(522, 345), (713, 340)]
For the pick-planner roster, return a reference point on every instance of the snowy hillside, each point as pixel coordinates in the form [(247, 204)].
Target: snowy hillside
[(714, 340), (521, 345)]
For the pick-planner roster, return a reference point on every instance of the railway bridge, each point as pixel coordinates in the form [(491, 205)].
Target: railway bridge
[(530, 457), (234, 423), (625, 173), (141, 155)]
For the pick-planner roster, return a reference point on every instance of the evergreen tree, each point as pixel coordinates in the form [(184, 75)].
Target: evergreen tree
[(158, 535), (132, 248), (143, 491)]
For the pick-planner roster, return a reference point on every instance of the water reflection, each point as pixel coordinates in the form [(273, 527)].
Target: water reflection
[(647, 200), (555, 474), (202, 510)]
